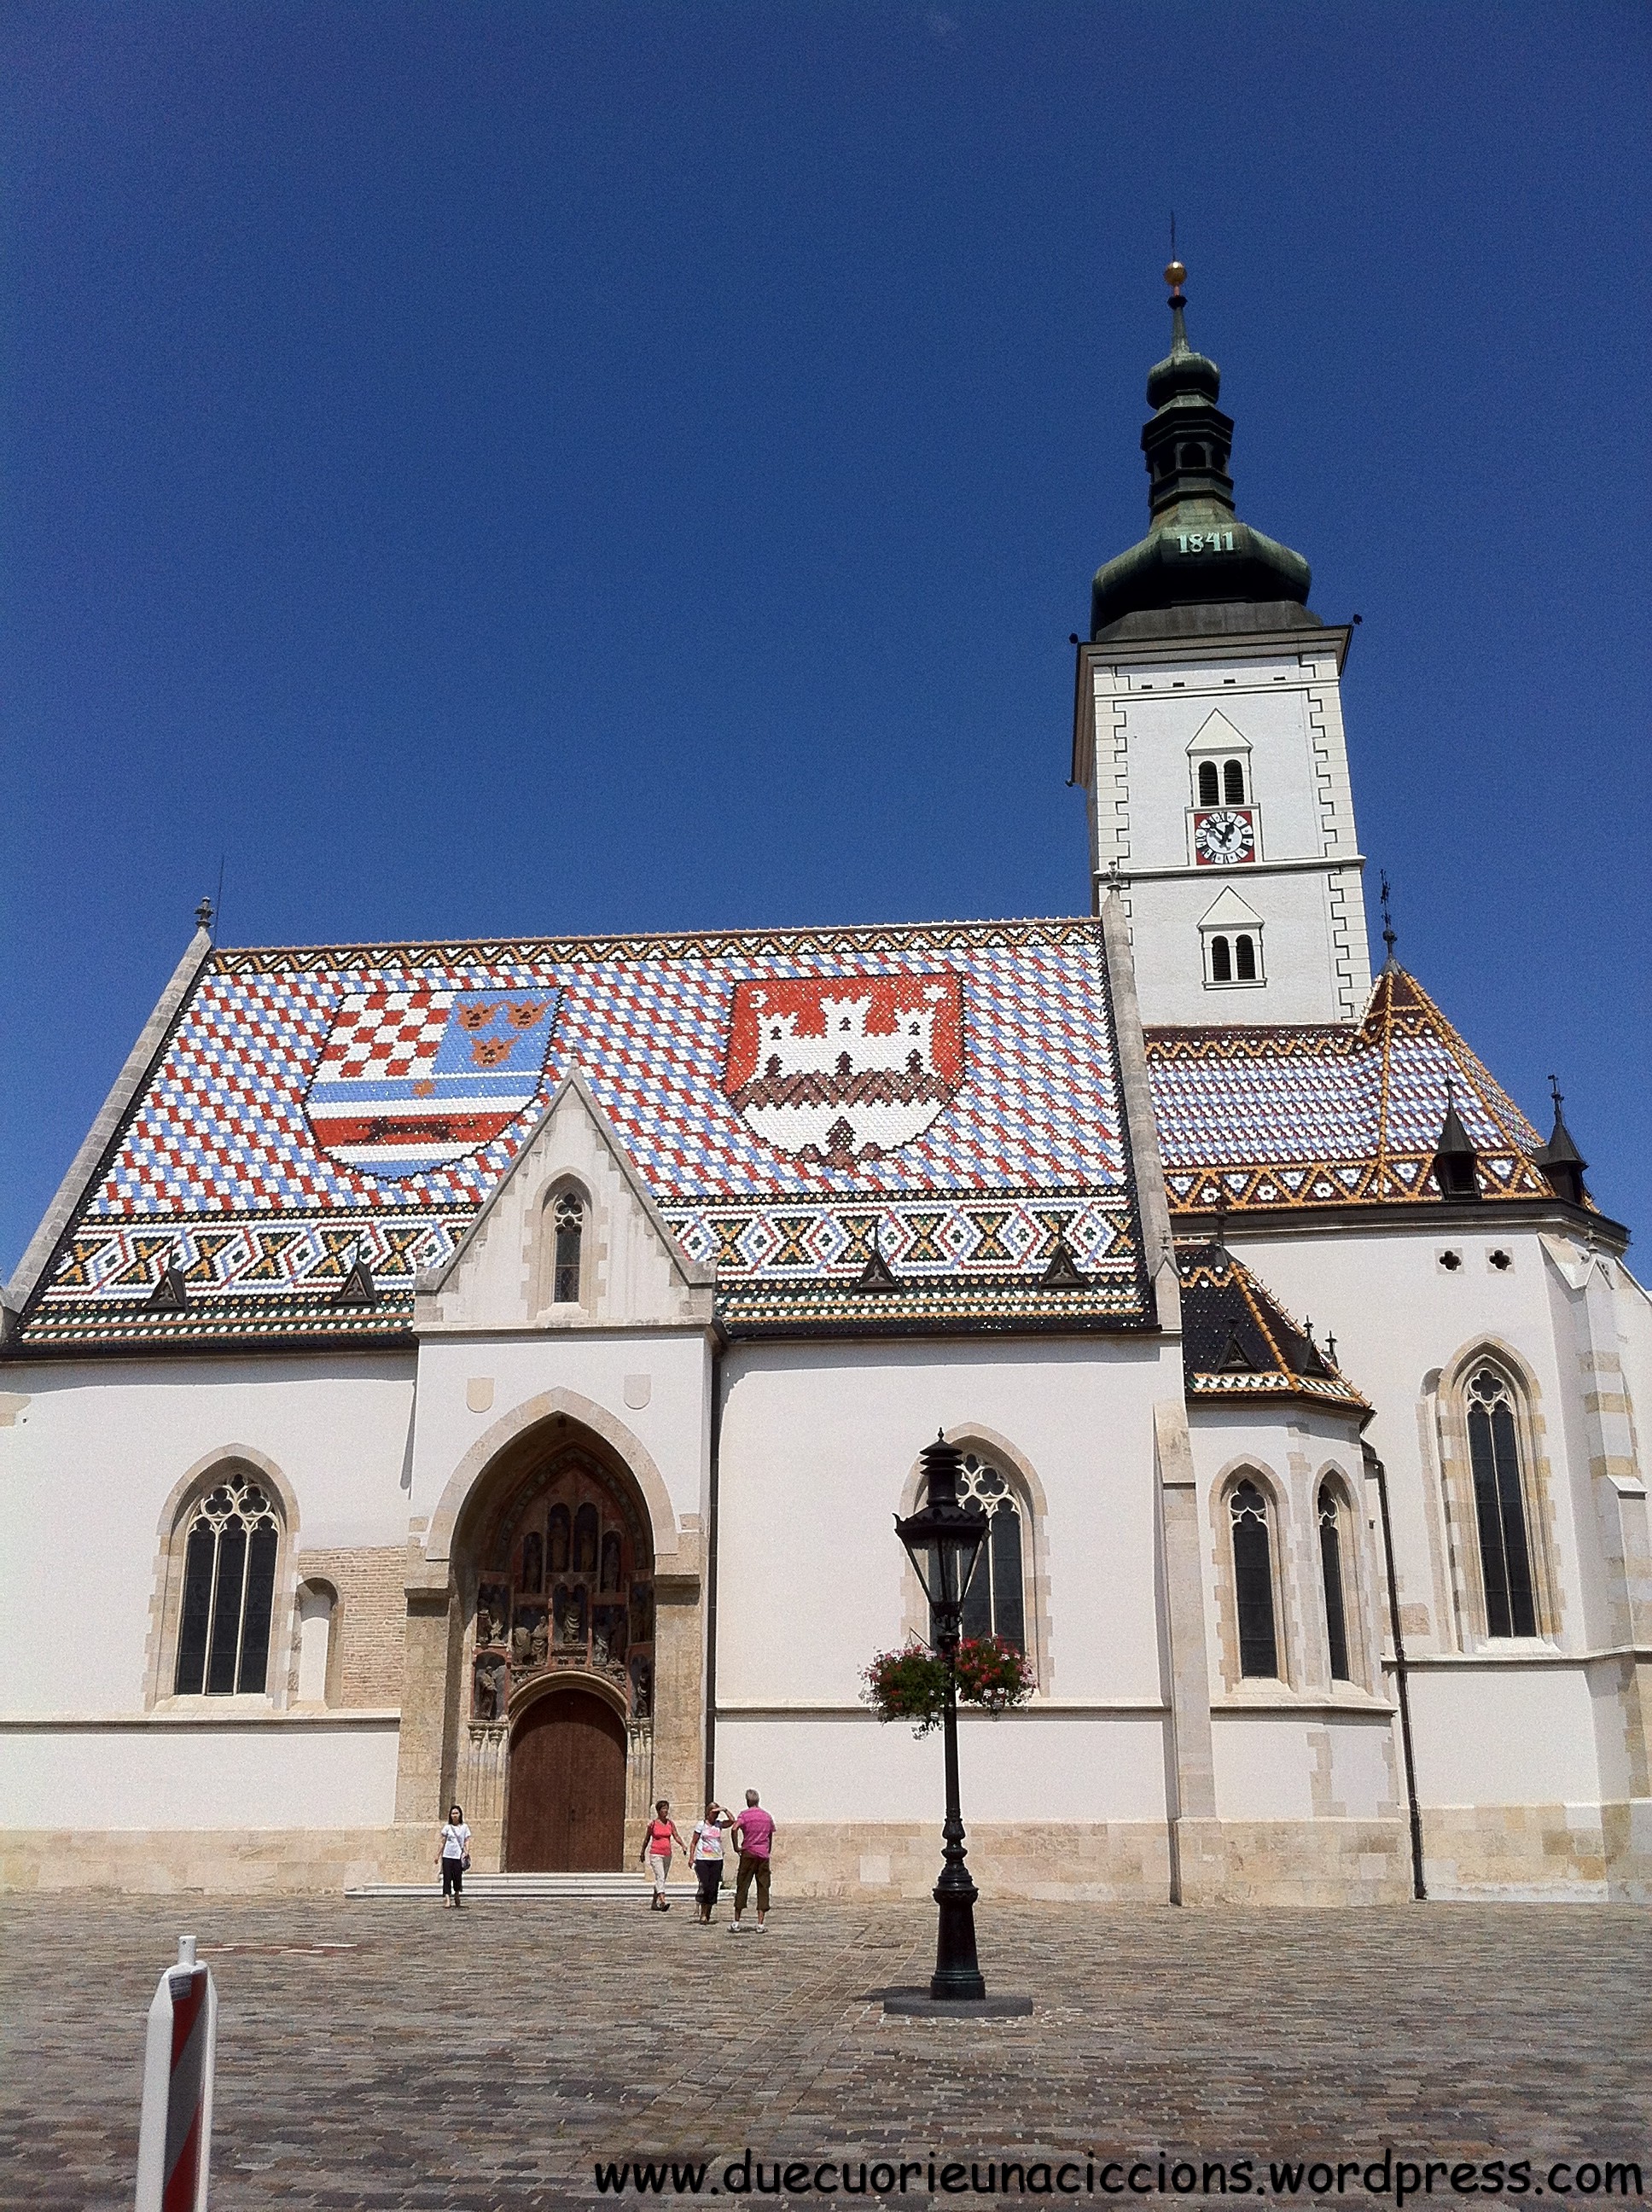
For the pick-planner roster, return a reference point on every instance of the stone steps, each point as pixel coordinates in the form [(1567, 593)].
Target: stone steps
[(525, 1888)]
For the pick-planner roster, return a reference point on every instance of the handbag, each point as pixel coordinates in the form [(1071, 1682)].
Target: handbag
[(465, 1863)]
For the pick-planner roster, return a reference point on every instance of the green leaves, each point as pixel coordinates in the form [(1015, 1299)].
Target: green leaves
[(911, 1685)]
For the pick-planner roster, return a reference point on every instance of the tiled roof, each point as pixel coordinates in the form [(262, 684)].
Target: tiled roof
[(949, 1094), (1301, 1117), (1238, 1342)]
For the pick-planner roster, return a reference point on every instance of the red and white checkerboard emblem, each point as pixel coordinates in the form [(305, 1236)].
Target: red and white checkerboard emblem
[(845, 1068), (413, 1078)]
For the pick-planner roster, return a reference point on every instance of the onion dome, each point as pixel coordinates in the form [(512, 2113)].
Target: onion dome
[(1197, 552)]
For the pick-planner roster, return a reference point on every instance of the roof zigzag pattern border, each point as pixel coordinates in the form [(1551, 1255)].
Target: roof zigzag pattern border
[(1285, 1117)]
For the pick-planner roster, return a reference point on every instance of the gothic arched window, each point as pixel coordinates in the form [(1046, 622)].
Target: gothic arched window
[(995, 1603), (1500, 1507), (1244, 958), (1221, 961), (1233, 782), (1209, 790), (229, 1590), (1253, 1582), (568, 1217), (1336, 1602)]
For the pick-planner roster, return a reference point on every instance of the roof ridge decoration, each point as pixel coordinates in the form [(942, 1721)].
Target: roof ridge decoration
[(1312, 1116), (956, 1085)]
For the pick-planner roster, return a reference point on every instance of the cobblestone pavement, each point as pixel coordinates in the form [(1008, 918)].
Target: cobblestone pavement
[(485, 2059)]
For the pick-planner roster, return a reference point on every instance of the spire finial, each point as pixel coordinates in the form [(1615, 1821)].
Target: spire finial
[(1390, 934), (204, 915), (1556, 1093)]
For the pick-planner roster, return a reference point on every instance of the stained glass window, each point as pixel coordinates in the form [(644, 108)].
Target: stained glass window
[(1252, 1578)]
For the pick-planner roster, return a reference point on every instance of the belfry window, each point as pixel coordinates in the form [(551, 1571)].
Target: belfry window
[(995, 1603), (568, 1217), (1336, 1603), (1233, 782), (1244, 959), (1253, 1582), (229, 1588), (1210, 792), (1500, 1507), (1221, 961)]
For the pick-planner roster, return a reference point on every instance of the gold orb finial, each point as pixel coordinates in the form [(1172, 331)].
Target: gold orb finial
[(1176, 274)]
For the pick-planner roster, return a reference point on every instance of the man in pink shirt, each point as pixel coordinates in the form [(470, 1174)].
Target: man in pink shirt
[(754, 1839)]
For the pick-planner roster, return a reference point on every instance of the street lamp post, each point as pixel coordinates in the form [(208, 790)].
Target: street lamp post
[(943, 1541)]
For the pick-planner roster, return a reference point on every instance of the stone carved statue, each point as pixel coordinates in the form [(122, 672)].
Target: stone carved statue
[(570, 1619), (642, 1689), (488, 1701), (539, 1644)]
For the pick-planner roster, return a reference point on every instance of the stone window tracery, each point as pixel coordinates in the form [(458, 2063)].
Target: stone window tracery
[(995, 1603), (228, 1592), (1331, 1571), (568, 1222), (1253, 1582), (1500, 1506)]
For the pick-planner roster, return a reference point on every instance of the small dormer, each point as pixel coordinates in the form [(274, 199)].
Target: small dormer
[(1230, 934)]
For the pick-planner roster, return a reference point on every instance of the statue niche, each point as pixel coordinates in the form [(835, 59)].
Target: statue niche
[(567, 1582)]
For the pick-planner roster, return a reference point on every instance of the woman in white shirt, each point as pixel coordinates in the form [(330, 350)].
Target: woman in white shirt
[(706, 1855), (453, 1855)]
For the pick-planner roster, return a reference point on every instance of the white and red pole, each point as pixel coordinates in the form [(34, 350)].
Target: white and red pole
[(175, 2135)]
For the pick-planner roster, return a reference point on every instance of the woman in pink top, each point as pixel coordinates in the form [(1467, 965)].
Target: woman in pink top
[(657, 1841)]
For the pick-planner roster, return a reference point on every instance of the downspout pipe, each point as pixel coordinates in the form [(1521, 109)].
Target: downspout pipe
[(719, 1375), (1402, 1686)]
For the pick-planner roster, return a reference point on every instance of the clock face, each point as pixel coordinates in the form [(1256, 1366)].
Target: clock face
[(1224, 839)]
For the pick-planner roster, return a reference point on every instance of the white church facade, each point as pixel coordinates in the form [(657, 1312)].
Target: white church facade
[(491, 1370)]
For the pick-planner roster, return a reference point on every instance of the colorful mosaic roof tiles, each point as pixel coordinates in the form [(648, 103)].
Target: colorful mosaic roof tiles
[(1278, 1117), (1239, 1342), (956, 1085)]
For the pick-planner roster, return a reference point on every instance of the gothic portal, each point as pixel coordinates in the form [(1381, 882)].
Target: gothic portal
[(558, 1673)]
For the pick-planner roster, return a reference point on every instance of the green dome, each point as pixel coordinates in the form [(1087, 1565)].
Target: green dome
[(1198, 553)]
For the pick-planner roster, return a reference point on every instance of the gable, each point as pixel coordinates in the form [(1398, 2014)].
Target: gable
[(633, 1271)]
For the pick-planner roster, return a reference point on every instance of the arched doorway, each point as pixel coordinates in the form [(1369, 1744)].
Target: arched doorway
[(556, 1579), (566, 1804)]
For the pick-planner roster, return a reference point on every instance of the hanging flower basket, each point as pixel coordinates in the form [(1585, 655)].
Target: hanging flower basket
[(911, 1685)]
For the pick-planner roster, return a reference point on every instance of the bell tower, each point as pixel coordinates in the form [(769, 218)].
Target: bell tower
[(1208, 739)]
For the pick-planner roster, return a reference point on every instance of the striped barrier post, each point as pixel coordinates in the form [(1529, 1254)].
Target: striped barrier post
[(175, 2135)]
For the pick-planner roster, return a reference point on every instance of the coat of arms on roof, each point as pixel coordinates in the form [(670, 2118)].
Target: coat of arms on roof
[(845, 1068), (413, 1078)]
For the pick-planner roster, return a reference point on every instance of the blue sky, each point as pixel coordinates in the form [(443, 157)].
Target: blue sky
[(483, 469)]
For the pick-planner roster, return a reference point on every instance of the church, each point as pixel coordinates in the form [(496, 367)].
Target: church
[(491, 1370)]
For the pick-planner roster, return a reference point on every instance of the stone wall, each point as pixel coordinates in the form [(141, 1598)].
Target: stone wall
[(369, 1623)]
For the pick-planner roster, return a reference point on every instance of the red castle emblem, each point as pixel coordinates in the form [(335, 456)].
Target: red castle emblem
[(841, 1068)]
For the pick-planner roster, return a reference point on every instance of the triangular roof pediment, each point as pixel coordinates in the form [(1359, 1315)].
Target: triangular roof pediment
[(1217, 734)]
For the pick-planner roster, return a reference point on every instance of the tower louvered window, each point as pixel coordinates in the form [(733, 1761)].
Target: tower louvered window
[(1233, 782), (229, 1588), (1500, 1507), (1209, 790), (1253, 1582)]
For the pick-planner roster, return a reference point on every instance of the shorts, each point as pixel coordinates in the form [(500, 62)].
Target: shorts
[(749, 1866), (709, 1873), (660, 1865)]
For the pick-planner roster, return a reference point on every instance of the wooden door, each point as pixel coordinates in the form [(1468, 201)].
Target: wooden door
[(567, 1807)]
